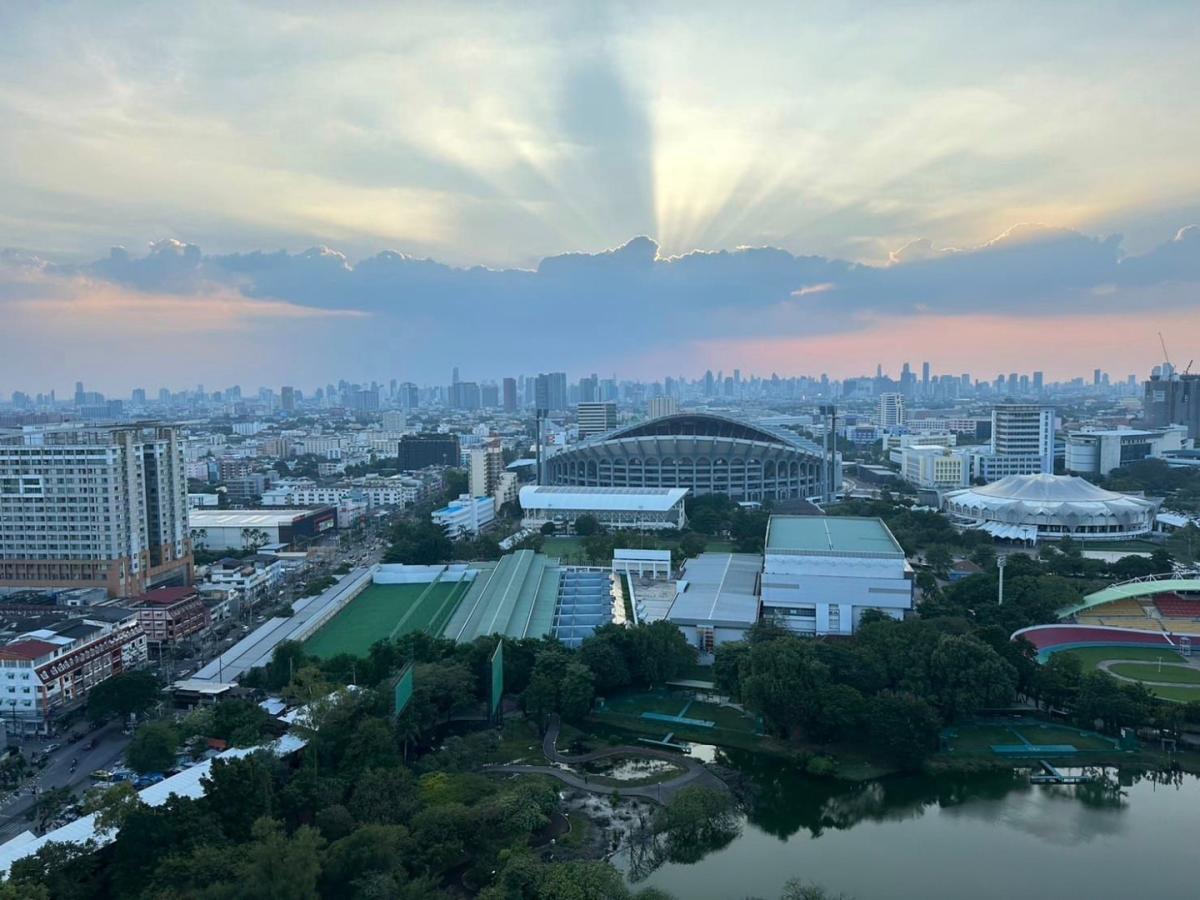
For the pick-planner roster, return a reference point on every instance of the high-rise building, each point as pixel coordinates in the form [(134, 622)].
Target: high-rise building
[(891, 410), (596, 418), (510, 394), (94, 507), (550, 392), (487, 465), (393, 421), (409, 396), (1172, 399), (663, 406), (1022, 442), (1037, 382), (465, 395), (418, 451), (287, 399)]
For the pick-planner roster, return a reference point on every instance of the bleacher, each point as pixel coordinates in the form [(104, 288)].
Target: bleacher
[(1175, 606), (1119, 608)]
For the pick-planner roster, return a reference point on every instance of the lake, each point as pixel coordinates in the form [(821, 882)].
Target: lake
[(978, 836)]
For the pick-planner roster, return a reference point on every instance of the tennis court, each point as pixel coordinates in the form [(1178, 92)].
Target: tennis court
[(387, 610)]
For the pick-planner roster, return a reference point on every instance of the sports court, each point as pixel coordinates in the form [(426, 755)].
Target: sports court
[(387, 611)]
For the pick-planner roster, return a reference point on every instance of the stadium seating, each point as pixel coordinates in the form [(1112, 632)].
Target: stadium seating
[(1176, 607), (1119, 608)]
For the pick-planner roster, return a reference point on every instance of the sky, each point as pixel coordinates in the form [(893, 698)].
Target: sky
[(392, 189)]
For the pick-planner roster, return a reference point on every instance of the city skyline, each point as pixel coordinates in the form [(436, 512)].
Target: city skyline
[(475, 180)]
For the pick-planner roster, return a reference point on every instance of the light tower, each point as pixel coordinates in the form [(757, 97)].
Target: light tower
[(1000, 563)]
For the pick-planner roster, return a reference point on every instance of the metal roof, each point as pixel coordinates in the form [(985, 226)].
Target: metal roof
[(718, 589), (246, 518), (1146, 588), (608, 499), (841, 535)]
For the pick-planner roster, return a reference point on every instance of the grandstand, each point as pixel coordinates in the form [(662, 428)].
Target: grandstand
[(1164, 604), (1050, 639), (514, 597)]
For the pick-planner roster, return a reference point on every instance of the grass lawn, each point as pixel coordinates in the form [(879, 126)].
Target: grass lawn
[(1061, 734), (636, 704), (1091, 657), (1151, 672), (1181, 693), (381, 610), (980, 738)]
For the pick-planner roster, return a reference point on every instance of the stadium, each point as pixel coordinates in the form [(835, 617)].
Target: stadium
[(521, 595), (1139, 630), (703, 452), (1050, 507)]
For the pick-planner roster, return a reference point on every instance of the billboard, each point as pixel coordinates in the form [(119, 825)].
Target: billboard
[(497, 680), (404, 689)]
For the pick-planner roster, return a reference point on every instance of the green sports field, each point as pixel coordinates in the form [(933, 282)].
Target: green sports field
[(386, 610)]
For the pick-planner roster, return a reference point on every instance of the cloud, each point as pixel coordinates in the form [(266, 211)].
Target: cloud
[(393, 314)]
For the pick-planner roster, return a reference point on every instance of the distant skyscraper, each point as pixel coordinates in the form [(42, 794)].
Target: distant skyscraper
[(596, 418), (925, 379), (1096, 377), (510, 394), (1037, 382), (891, 410), (287, 399), (454, 376), (663, 406), (550, 392)]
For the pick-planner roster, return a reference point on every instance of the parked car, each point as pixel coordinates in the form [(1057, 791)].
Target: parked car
[(50, 748)]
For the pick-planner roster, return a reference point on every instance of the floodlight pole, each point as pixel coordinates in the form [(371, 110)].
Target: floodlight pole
[(1001, 561)]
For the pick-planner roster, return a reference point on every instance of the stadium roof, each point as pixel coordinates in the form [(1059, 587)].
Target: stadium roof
[(609, 499), (831, 535), (1128, 590), (245, 518), (514, 597), (1047, 489), (707, 424), (718, 589)]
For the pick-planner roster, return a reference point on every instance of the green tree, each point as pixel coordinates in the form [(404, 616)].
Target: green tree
[(130, 693), (238, 792), (606, 662), (939, 559), (279, 867), (903, 727), (967, 675), (153, 748), (587, 524), (1056, 683), (692, 544)]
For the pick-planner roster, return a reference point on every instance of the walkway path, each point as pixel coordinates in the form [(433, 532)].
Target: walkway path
[(1109, 663), (696, 772)]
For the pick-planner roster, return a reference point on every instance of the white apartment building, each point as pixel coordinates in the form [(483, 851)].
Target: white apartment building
[(254, 579), (891, 410), (934, 466), (319, 445), (1022, 442), (46, 670), (662, 406), (821, 573), (93, 507), (485, 465), (379, 492), (466, 516)]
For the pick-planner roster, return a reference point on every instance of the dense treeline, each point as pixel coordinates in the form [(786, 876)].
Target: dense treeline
[(366, 811)]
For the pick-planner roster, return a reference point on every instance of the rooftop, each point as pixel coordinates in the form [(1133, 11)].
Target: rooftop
[(166, 595), (719, 589), (601, 498), (843, 535), (30, 650), (244, 518)]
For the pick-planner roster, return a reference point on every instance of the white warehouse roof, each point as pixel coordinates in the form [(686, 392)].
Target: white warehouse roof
[(244, 518), (609, 499)]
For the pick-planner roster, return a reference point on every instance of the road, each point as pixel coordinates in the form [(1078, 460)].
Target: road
[(110, 747)]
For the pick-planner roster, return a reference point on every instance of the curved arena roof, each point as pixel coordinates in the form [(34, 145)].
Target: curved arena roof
[(1051, 505), (704, 452)]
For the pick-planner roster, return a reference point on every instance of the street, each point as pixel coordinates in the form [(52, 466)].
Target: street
[(110, 747)]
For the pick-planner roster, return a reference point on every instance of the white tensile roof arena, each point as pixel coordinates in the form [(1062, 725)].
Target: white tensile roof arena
[(612, 499), (1023, 506)]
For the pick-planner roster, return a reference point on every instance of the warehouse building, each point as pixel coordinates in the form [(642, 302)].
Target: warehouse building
[(821, 573), (638, 509), (717, 599), (240, 529)]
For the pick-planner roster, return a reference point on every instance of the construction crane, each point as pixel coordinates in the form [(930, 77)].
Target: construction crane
[(1166, 356), (1189, 366)]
